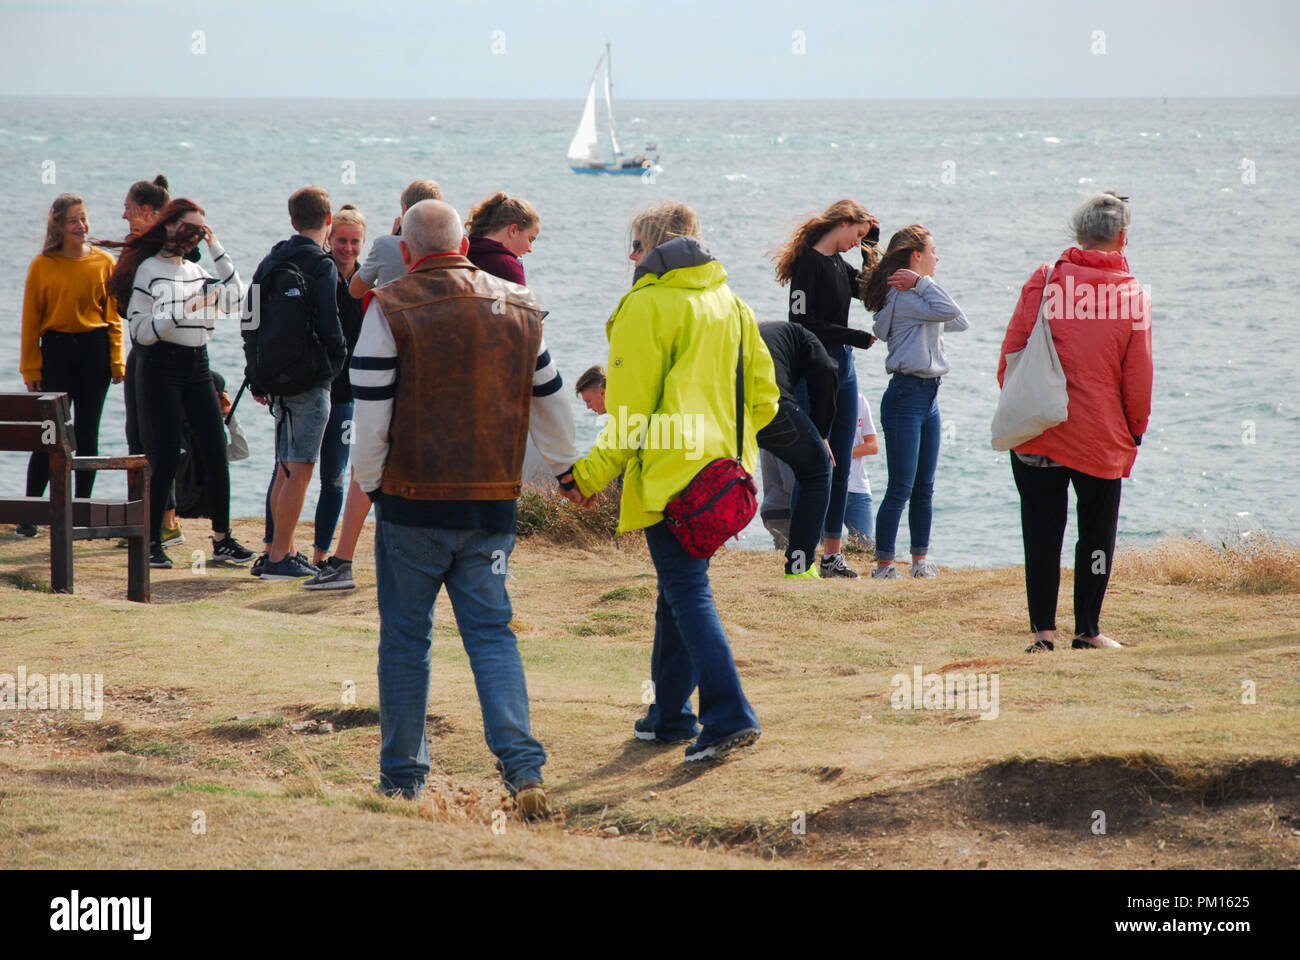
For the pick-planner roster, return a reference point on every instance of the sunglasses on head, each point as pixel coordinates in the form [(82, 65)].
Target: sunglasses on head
[(636, 246)]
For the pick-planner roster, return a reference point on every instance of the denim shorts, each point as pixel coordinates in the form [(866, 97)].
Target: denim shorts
[(300, 425)]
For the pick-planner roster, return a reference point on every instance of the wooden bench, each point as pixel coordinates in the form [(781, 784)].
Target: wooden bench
[(42, 422)]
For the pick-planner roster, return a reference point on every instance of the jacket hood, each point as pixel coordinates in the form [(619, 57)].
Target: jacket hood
[(675, 254)]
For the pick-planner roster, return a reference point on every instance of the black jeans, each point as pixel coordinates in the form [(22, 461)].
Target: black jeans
[(792, 437), (1044, 510), (137, 426), (177, 387), (76, 364)]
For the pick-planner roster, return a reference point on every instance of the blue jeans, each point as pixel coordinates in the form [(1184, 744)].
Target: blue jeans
[(411, 566), (690, 649), (792, 437), (857, 515), (333, 474), (909, 414), (843, 427)]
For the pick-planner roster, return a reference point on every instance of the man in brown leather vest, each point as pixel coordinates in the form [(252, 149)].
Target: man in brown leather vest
[(451, 377)]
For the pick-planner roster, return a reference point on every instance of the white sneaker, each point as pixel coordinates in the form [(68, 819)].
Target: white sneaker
[(925, 570), (885, 573)]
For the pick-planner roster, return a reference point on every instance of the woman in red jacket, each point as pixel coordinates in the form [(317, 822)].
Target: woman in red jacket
[(1101, 325)]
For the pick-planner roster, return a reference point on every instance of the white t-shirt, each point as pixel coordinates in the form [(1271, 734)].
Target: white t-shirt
[(858, 482)]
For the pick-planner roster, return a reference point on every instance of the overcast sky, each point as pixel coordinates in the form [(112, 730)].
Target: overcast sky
[(662, 48)]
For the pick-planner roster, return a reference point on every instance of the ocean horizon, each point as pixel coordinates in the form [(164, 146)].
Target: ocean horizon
[(1214, 185)]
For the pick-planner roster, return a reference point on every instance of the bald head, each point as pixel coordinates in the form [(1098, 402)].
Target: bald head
[(432, 226)]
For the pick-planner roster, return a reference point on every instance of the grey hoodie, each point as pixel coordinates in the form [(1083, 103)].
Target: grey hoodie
[(912, 322)]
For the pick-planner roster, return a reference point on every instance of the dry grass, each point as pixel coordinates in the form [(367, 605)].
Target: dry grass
[(1254, 564), (1159, 735)]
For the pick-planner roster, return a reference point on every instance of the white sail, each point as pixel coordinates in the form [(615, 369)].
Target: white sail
[(582, 148), (609, 99)]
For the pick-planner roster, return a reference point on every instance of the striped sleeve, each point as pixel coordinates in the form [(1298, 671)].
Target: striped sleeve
[(373, 373), (225, 276), (550, 423)]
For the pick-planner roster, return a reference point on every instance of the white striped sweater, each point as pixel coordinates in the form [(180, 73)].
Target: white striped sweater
[(167, 299)]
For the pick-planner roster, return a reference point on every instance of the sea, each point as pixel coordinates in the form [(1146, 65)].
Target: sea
[(1215, 239)]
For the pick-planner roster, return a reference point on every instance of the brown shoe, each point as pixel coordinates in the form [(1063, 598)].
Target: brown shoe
[(531, 802)]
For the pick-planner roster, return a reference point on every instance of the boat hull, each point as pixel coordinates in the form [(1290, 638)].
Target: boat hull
[(623, 171)]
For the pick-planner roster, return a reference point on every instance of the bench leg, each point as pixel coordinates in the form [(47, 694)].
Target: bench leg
[(60, 524), (137, 573)]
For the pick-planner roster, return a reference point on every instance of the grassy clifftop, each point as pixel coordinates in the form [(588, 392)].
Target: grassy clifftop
[(211, 750)]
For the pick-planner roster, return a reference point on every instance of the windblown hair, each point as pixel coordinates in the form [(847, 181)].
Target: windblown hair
[(54, 223), (1098, 222), (874, 284), (152, 242), (663, 222), (841, 211), (499, 211)]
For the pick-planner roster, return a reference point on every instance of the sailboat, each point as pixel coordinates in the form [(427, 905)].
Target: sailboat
[(584, 154)]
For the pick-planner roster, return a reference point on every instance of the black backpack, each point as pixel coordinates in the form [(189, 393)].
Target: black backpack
[(283, 355)]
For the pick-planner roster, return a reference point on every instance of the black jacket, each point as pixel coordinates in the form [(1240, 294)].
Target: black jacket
[(798, 355)]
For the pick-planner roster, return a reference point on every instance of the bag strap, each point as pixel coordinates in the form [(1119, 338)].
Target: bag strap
[(1042, 304), (740, 394)]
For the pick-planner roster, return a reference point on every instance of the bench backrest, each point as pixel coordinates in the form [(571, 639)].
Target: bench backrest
[(36, 421)]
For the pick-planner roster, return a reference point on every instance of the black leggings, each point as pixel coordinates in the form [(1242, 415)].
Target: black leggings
[(177, 387), (137, 426), (1044, 510), (76, 364)]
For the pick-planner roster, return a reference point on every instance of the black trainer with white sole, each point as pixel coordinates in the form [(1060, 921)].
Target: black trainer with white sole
[(720, 749)]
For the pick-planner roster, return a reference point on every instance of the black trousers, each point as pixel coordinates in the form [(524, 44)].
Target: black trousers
[(792, 437), (137, 425), (177, 387), (76, 364), (1044, 510)]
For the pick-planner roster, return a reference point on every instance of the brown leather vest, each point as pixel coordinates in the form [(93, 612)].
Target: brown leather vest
[(467, 347)]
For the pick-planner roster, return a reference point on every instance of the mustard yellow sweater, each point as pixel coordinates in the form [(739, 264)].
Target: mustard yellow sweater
[(69, 296)]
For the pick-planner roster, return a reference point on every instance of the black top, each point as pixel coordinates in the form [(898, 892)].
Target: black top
[(350, 320), (821, 291), (798, 355)]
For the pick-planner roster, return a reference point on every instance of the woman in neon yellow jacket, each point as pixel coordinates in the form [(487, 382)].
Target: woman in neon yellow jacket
[(671, 397)]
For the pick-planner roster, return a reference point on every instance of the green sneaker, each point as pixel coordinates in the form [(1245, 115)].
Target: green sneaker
[(810, 574)]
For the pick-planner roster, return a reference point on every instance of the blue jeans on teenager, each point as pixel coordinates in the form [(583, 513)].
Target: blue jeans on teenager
[(843, 427), (411, 566), (909, 416), (858, 516), (792, 437), (690, 650), (333, 475)]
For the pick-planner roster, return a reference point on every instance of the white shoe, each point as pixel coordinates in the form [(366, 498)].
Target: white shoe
[(1099, 642)]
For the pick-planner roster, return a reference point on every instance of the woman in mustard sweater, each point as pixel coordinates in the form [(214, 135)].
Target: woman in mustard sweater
[(71, 334)]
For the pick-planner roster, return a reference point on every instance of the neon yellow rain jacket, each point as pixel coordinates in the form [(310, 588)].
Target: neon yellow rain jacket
[(671, 387)]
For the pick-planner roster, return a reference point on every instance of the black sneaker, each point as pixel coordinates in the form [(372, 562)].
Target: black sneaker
[(719, 750), (834, 566), (334, 574), (25, 530), (231, 550), (1040, 646), (158, 558), (258, 564)]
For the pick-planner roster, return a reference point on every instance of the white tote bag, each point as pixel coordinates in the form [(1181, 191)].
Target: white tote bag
[(1034, 396)]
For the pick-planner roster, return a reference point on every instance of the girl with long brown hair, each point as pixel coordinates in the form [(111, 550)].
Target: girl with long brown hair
[(71, 334), (173, 304), (822, 287), (912, 314)]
